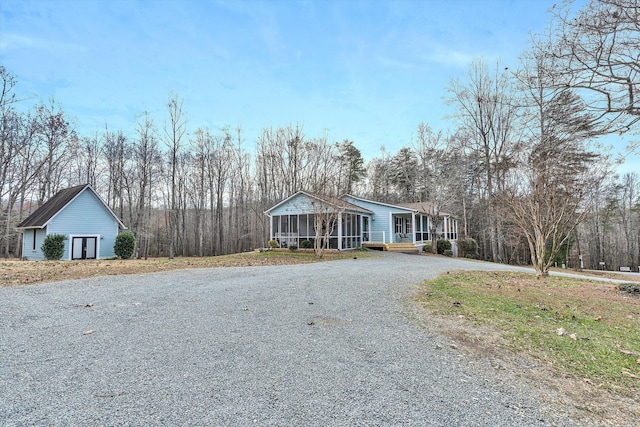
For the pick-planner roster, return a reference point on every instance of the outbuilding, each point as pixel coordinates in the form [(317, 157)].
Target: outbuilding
[(78, 213)]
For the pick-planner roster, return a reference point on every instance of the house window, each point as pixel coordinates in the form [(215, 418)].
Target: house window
[(35, 234)]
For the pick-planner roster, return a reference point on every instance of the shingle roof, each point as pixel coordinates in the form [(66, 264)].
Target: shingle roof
[(51, 207), (423, 208), (340, 203), (44, 213)]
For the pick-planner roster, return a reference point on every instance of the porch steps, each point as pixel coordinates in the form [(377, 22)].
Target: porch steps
[(401, 247)]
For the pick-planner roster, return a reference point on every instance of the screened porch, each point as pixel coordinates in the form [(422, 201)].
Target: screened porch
[(348, 231)]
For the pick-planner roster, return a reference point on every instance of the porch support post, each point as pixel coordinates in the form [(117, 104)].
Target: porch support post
[(340, 232), (445, 227), (270, 228), (391, 225), (413, 227)]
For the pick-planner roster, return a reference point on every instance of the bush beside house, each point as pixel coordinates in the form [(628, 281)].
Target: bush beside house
[(443, 245), (53, 246), (124, 245)]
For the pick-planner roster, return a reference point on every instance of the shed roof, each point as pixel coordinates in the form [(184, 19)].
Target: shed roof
[(45, 213)]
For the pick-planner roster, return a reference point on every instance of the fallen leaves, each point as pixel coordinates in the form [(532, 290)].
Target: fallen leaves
[(89, 332), (627, 352)]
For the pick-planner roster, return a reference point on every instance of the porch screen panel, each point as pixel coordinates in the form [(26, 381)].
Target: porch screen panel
[(303, 225), (312, 225)]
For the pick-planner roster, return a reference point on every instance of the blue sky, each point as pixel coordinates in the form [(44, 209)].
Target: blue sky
[(368, 71)]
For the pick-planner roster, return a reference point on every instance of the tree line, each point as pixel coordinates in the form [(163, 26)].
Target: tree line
[(521, 168)]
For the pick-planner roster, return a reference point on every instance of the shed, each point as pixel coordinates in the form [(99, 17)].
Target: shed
[(80, 214)]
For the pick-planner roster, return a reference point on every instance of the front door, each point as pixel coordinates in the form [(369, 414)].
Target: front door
[(83, 247)]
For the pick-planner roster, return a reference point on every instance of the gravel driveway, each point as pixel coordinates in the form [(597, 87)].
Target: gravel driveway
[(326, 344)]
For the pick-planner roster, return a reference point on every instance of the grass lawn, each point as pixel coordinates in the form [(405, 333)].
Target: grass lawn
[(582, 328), (582, 336), (15, 272)]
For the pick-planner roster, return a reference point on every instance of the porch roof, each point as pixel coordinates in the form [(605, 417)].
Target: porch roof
[(424, 208)]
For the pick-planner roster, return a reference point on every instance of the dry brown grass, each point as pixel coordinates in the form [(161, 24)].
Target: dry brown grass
[(15, 272)]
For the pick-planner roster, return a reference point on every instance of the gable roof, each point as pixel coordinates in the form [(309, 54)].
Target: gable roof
[(45, 213), (335, 201)]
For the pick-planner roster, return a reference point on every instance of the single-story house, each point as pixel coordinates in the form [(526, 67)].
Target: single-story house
[(293, 220), (360, 222), (81, 215)]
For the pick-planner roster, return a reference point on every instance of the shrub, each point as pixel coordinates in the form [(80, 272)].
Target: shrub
[(448, 252), (468, 248), (272, 244), (293, 248), (306, 244), (632, 288), (53, 246), (124, 245), (427, 247), (443, 245)]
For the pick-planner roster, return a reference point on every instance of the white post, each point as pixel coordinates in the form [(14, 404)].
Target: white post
[(339, 232), (413, 228), (391, 226), (383, 237), (444, 227)]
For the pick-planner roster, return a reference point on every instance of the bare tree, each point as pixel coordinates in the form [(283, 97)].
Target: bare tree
[(147, 158), (54, 133), (599, 49), (174, 131), (439, 177), (486, 110), (548, 195), (326, 213)]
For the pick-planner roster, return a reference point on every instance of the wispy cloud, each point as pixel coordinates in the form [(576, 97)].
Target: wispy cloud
[(450, 58), (12, 42)]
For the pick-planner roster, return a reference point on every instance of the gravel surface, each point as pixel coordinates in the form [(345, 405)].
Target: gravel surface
[(326, 344)]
